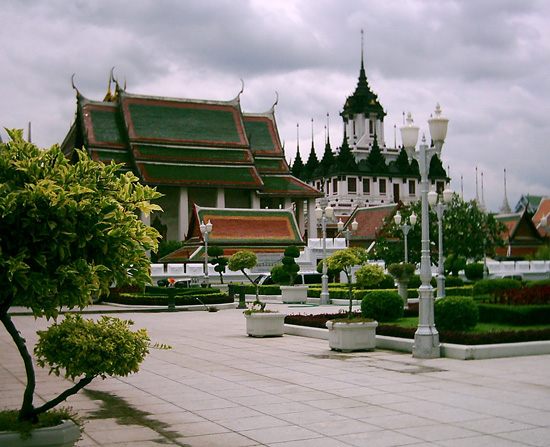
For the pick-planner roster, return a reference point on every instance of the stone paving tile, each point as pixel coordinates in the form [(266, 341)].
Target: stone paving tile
[(218, 387)]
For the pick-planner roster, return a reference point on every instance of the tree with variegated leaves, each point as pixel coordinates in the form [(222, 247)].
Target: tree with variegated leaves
[(68, 230)]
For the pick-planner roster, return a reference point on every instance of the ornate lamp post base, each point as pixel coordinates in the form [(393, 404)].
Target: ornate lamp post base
[(426, 337)]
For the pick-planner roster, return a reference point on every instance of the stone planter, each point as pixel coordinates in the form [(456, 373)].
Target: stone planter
[(348, 337), (402, 290), (265, 324), (294, 294), (63, 435)]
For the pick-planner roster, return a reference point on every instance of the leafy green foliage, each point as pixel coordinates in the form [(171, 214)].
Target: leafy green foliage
[(455, 313), (401, 270), (244, 259), (369, 276), (9, 420), (92, 348), (219, 261), (289, 268), (344, 260), (68, 230), (454, 264), (467, 232), (486, 286), (474, 271), (382, 305)]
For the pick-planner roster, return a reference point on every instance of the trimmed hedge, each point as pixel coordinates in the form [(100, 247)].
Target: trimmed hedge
[(515, 315), (486, 286), (272, 289), (455, 313), (179, 300), (459, 291), (382, 305)]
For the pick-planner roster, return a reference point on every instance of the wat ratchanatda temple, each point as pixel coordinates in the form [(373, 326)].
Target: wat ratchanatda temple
[(198, 153)]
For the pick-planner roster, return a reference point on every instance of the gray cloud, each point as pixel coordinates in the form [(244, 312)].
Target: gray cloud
[(486, 62)]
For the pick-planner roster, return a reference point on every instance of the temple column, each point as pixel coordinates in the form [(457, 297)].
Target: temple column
[(220, 202), (311, 219), (300, 216), (183, 213), (255, 199)]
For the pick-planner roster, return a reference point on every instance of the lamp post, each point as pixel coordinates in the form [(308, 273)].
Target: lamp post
[(426, 337), (348, 232), (206, 229), (324, 212), (405, 228), (440, 206)]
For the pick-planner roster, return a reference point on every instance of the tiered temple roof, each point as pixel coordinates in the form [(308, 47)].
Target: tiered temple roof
[(186, 142)]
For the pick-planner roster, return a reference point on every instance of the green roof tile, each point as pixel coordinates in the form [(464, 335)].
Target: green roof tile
[(259, 131), (287, 185), (104, 126), (271, 164), (143, 151), (173, 121), (171, 173)]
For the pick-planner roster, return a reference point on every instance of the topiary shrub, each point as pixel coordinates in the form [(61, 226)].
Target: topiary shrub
[(382, 305), (452, 281), (486, 286), (369, 276), (387, 283), (455, 313), (474, 271)]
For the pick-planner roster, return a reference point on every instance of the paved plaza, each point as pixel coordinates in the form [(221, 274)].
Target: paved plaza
[(218, 387)]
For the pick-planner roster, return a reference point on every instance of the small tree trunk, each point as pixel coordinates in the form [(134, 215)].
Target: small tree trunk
[(26, 413), (350, 311)]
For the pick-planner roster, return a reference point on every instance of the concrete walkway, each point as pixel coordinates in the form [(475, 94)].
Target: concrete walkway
[(218, 387)]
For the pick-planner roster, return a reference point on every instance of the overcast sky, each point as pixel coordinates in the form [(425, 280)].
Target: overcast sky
[(487, 62)]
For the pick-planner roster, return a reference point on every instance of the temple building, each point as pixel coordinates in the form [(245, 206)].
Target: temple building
[(196, 152), (364, 171)]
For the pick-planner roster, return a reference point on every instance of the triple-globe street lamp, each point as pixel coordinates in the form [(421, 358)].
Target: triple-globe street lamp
[(405, 228), (349, 231), (206, 229), (440, 206), (426, 338), (324, 212)]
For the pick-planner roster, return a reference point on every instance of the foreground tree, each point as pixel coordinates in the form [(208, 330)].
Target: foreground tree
[(344, 260), (467, 233), (68, 231)]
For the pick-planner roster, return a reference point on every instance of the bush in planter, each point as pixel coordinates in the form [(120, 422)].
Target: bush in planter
[(382, 305), (73, 230), (290, 267), (344, 260), (369, 276), (455, 313), (244, 259), (401, 271)]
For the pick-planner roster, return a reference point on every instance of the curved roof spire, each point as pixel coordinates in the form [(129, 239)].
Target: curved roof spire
[(363, 99), (74, 86)]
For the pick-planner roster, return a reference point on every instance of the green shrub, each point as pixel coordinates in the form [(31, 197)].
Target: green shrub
[(486, 286), (387, 283), (369, 276), (382, 305), (527, 315), (250, 289), (541, 282), (401, 270), (455, 313), (459, 291), (474, 271), (414, 282), (453, 281)]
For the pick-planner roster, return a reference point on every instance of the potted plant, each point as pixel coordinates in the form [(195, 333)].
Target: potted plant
[(352, 333), (285, 275), (259, 321), (402, 272), (73, 229)]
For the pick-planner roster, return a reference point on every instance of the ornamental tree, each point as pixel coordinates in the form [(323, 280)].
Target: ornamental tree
[(219, 261), (344, 260), (68, 230), (242, 260), (467, 232)]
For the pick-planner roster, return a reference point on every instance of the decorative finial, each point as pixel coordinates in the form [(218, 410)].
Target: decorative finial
[(74, 86), (276, 100)]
